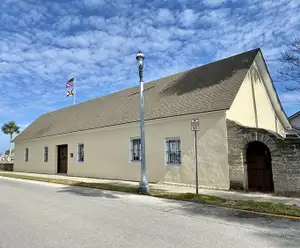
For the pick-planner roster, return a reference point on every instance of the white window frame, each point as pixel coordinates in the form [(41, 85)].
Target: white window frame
[(79, 144), (131, 150), (167, 149), (47, 154), (26, 154)]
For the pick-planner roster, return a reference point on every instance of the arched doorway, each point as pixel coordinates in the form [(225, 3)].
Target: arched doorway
[(259, 167)]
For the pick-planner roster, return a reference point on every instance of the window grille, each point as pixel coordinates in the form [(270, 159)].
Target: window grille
[(173, 151), (26, 154), (136, 150), (45, 154), (80, 152)]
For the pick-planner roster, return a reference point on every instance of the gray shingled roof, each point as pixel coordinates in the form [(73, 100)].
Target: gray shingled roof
[(294, 115), (206, 88)]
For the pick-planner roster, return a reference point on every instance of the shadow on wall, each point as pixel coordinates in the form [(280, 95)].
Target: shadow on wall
[(184, 173), (254, 74)]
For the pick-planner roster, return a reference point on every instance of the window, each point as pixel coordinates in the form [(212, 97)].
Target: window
[(26, 154), (80, 153), (173, 153), (136, 149), (45, 154)]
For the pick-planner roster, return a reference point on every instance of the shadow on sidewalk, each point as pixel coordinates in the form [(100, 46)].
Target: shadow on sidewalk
[(82, 191), (285, 232)]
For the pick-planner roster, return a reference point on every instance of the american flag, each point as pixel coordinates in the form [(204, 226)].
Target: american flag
[(70, 82)]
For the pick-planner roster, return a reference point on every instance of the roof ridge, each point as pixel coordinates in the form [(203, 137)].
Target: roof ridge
[(208, 64), (155, 80), (205, 88)]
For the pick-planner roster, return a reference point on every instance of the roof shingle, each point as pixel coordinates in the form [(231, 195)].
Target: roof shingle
[(206, 88)]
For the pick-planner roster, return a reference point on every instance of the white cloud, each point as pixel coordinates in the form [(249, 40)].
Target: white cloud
[(93, 3), (72, 41), (97, 41), (164, 16), (188, 17), (97, 22), (213, 3), (66, 22), (216, 17)]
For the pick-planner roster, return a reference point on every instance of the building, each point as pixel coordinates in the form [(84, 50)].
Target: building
[(243, 140), (295, 120)]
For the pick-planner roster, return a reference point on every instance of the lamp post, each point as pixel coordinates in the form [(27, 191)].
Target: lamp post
[(143, 186)]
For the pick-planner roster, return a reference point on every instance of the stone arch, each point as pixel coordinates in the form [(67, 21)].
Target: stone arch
[(259, 138), (259, 167), (285, 152), (239, 136)]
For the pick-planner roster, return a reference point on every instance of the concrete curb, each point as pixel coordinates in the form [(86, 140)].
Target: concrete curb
[(262, 214)]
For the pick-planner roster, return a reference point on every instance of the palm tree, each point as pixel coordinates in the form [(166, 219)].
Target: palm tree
[(10, 128)]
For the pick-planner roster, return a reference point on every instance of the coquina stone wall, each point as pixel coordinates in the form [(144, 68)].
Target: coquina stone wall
[(6, 166), (285, 157)]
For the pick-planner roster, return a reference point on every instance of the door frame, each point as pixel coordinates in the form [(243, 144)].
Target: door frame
[(246, 166), (58, 158)]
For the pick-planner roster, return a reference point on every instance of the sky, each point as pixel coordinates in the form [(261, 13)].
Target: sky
[(46, 42)]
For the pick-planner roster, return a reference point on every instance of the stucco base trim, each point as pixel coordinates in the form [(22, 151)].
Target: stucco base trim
[(191, 186)]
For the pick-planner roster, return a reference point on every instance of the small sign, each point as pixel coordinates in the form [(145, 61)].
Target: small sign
[(195, 124)]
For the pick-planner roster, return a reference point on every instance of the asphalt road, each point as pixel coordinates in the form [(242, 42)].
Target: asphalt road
[(36, 215)]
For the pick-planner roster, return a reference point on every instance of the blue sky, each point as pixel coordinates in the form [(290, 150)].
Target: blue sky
[(44, 43)]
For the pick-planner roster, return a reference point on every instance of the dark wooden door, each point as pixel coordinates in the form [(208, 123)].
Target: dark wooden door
[(259, 167), (62, 163)]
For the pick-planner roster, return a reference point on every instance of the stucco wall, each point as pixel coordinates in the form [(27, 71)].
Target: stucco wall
[(242, 108), (107, 152), (252, 106)]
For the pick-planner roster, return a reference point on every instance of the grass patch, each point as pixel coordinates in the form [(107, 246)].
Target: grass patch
[(250, 205), (103, 186)]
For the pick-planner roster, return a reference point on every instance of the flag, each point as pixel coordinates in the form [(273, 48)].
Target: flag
[(70, 82), (70, 93)]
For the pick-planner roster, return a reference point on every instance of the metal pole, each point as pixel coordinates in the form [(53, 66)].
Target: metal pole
[(196, 160), (143, 187), (74, 97)]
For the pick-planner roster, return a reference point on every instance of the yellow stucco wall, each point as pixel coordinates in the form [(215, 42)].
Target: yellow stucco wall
[(242, 109), (252, 106), (107, 152)]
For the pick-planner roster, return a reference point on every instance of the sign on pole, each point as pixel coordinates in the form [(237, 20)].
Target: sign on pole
[(195, 124), (195, 128)]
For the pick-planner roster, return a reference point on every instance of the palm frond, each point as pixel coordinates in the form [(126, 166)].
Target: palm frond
[(10, 128)]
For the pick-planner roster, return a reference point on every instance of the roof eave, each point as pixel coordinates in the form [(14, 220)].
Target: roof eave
[(280, 113)]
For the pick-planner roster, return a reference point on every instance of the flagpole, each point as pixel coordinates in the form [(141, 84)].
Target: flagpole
[(74, 97)]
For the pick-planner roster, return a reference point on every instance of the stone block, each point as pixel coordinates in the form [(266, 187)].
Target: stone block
[(7, 166)]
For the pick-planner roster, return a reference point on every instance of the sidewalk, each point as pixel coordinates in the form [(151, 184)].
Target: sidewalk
[(178, 189)]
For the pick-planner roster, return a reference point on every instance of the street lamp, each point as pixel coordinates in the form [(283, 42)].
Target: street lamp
[(143, 187)]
